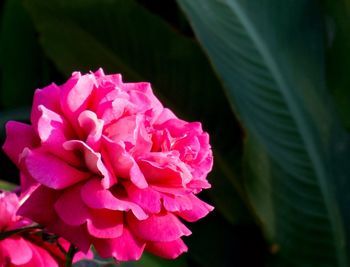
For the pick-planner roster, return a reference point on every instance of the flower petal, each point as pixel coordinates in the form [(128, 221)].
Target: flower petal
[(199, 210), (17, 249), (92, 160), (123, 163), (148, 199), (14, 145), (160, 228), (42, 258), (124, 248), (75, 93), (96, 197), (168, 250), (39, 205), (77, 235), (50, 170), (70, 207), (48, 97), (92, 128), (105, 223)]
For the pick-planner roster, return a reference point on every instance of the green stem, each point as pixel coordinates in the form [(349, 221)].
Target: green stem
[(70, 255), (7, 234)]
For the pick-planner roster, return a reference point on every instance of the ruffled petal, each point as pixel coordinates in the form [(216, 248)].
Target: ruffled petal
[(14, 145), (105, 223), (17, 249), (199, 210), (77, 235), (39, 205), (96, 197), (42, 258), (53, 130), (123, 163), (148, 199), (92, 160), (47, 97), (168, 250), (70, 207), (50, 170), (160, 228), (75, 94), (124, 248), (164, 169), (92, 128)]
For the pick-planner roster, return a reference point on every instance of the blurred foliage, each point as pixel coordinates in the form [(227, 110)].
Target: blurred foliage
[(282, 169)]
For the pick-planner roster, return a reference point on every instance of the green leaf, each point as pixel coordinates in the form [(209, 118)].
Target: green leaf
[(7, 186), (270, 57), (338, 56), (122, 36)]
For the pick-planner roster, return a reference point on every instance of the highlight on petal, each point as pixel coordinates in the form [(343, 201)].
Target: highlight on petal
[(160, 228)]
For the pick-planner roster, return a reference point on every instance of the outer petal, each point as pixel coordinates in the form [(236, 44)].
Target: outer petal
[(168, 250), (8, 208), (199, 210), (48, 97), (70, 208), (160, 228), (41, 257), (17, 249), (105, 223), (75, 94), (176, 203), (50, 170), (95, 196), (53, 130), (147, 198), (39, 205), (164, 169), (124, 248), (14, 145), (77, 235)]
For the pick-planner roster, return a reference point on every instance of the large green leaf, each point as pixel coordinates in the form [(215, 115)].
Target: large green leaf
[(270, 56), (338, 56), (122, 36)]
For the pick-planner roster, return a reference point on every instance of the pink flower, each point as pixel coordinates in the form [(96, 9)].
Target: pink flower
[(24, 248), (110, 166)]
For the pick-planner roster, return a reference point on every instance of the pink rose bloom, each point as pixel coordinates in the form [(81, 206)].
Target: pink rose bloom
[(23, 249), (111, 167)]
